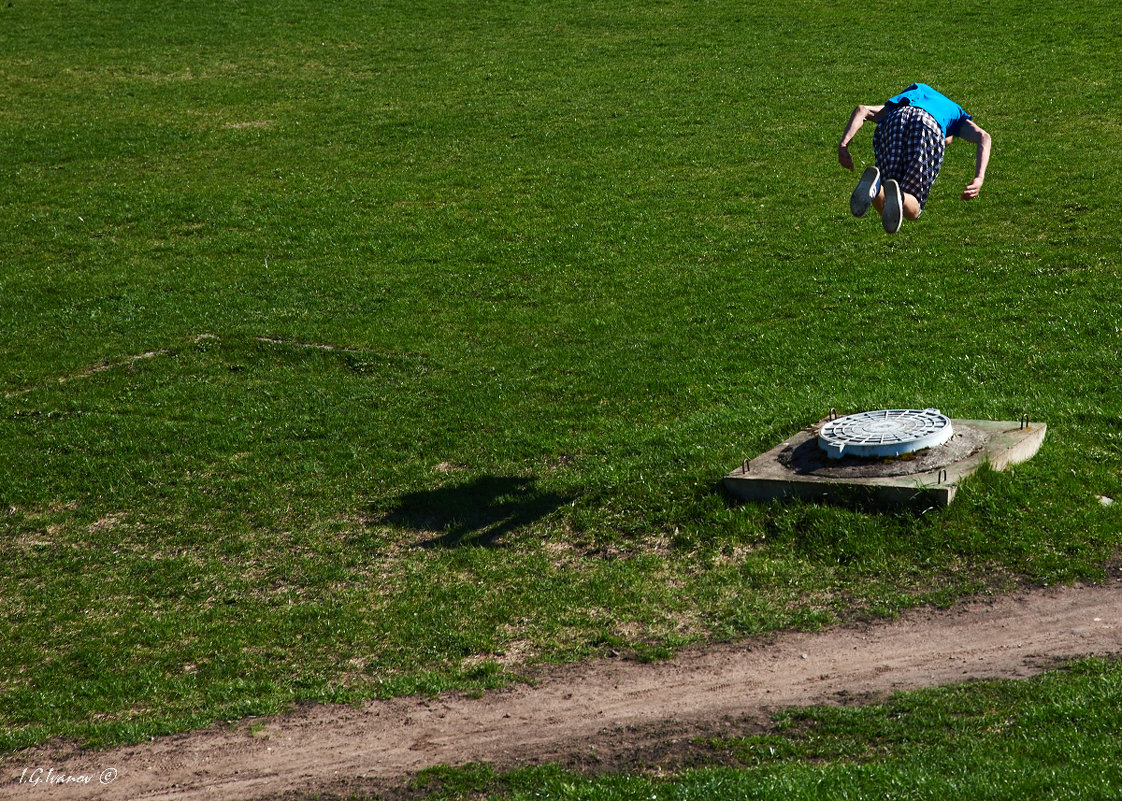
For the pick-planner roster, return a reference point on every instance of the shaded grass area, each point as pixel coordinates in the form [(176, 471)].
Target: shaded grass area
[(1052, 737), (384, 350)]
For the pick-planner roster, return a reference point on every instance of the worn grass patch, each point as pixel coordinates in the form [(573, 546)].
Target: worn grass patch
[(1055, 736)]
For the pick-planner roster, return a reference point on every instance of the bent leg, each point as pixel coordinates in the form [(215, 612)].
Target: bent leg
[(878, 201), (911, 206)]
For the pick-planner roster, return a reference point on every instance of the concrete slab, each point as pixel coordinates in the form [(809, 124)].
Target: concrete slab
[(799, 468)]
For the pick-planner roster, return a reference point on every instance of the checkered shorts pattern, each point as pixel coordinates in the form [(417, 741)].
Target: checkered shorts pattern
[(909, 146)]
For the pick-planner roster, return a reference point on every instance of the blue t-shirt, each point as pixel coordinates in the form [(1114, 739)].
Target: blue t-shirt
[(946, 112)]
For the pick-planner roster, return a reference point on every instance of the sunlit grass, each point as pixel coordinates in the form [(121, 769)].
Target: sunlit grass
[(389, 349)]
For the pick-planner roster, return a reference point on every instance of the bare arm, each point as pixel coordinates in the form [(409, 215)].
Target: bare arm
[(860, 116), (972, 133)]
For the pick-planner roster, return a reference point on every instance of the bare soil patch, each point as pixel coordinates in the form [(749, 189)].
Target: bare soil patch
[(599, 715)]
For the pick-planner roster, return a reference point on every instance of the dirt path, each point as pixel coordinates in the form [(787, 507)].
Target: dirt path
[(609, 713)]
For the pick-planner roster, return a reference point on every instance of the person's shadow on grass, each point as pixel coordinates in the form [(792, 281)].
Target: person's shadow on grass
[(477, 513)]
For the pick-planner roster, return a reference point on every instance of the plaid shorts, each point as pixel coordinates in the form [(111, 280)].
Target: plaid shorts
[(909, 146)]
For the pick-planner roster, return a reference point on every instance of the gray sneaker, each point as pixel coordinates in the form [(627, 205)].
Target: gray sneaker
[(893, 213), (866, 190)]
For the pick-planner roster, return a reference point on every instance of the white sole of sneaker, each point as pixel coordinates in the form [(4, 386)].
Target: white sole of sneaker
[(866, 190), (893, 213)]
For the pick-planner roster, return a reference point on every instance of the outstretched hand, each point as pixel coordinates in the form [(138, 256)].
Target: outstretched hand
[(844, 158), (971, 192)]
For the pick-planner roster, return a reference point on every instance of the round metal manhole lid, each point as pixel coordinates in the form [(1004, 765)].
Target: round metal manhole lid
[(885, 432)]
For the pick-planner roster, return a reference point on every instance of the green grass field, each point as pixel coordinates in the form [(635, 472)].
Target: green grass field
[(359, 349)]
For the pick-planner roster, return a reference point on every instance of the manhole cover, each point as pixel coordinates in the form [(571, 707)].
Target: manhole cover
[(885, 432)]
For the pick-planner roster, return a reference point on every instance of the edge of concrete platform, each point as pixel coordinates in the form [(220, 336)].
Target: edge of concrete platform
[(764, 478)]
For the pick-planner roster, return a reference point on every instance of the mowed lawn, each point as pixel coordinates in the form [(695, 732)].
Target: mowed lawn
[(359, 349)]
